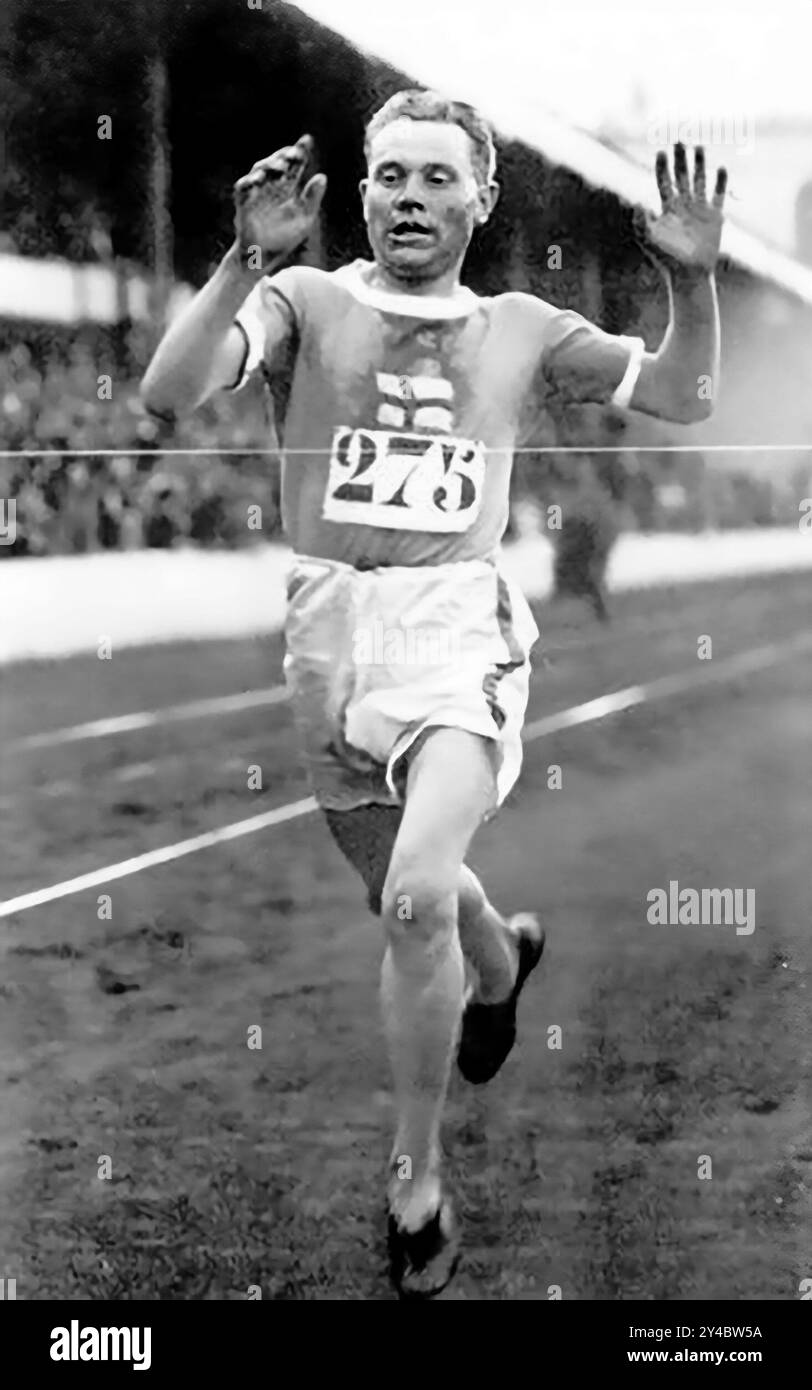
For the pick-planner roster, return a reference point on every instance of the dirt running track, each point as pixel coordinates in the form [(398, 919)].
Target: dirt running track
[(578, 1167)]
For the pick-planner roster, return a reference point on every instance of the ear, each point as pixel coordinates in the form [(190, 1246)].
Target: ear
[(362, 189), (487, 198)]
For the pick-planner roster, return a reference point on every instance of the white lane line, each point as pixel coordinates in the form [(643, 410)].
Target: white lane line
[(664, 686), (756, 659), (235, 831), (148, 719)]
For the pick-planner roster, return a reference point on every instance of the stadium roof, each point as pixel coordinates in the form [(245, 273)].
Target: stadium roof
[(439, 57)]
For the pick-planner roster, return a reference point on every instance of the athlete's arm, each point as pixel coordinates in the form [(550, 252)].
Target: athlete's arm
[(203, 350), (679, 381), (582, 363)]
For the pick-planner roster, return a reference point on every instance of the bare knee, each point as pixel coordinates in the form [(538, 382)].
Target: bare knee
[(418, 903)]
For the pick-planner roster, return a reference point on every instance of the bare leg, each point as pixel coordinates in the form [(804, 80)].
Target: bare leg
[(366, 836), (450, 787), (486, 940)]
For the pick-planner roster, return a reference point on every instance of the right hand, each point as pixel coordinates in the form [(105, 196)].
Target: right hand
[(274, 208)]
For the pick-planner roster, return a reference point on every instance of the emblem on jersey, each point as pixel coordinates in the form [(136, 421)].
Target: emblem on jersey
[(416, 402), (398, 478)]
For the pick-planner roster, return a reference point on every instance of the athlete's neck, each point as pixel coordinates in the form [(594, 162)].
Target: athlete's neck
[(441, 287)]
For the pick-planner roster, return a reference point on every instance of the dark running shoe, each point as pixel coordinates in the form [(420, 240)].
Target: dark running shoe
[(422, 1263), (489, 1030)]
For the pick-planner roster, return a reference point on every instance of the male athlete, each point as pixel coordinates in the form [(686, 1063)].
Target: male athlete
[(407, 650)]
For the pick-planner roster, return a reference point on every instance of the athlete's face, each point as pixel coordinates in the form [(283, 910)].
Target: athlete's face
[(422, 198)]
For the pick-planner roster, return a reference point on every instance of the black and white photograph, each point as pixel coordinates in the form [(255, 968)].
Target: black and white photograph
[(406, 661)]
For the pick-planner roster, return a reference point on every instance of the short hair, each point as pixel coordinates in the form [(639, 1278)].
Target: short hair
[(417, 105)]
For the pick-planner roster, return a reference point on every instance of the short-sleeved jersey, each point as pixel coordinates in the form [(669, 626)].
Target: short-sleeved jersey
[(402, 411)]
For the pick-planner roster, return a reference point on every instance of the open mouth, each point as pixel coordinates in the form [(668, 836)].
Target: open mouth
[(408, 231)]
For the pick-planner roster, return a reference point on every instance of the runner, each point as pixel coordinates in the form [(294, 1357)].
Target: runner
[(407, 648)]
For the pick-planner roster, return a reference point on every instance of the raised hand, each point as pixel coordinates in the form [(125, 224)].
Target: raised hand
[(275, 208), (688, 231)]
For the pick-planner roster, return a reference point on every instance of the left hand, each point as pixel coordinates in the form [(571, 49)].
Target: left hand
[(688, 232)]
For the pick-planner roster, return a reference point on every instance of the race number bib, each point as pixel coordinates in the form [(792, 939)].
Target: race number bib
[(404, 482)]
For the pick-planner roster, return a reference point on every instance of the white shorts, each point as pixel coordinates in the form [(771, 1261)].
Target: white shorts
[(375, 657)]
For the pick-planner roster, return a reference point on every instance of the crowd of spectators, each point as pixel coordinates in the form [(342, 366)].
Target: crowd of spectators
[(62, 416)]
